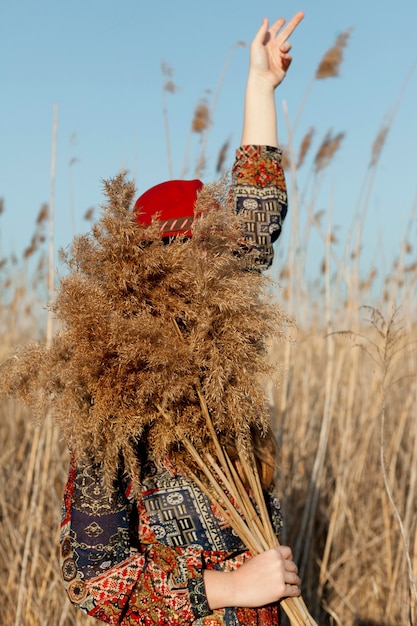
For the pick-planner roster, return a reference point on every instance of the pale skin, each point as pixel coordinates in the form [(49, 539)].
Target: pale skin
[(272, 575), (269, 62)]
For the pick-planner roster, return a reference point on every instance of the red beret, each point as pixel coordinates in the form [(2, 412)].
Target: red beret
[(171, 203)]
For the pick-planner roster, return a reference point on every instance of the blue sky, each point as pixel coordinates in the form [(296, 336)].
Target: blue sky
[(100, 61)]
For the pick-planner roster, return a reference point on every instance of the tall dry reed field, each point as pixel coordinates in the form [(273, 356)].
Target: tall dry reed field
[(343, 408), (345, 404)]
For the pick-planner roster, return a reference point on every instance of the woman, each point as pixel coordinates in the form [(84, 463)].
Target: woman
[(165, 555)]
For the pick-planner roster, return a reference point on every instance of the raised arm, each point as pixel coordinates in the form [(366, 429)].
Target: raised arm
[(258, 177), (269, 63), (260, 193)]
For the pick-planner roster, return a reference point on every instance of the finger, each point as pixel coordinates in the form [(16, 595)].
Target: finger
[(286, 60), (285, 47), (292, 579), (262, 31), (290, 566), (292, 590), (276, 26), (290, 27), (286, 552)]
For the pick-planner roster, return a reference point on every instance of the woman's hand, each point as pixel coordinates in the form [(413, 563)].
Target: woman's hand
[(269, 55), (268, 65), (263, 579)]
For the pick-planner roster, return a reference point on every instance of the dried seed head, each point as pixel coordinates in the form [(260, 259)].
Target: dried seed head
[(410, 268), (367, 283), (330, 64), (27, 253), (305, 145), (166, 69), (222, 156), (326, 151), (318, 216), (201, 117), (42, 215), (355, 254), (170, 87), (89, 214), (38, 238), (284, 273), (285, 158), (378, 145)]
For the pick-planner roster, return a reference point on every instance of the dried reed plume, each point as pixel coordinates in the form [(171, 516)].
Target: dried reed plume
[(201, 119), (118, 356), (222, 156), (89, 214), (167, 70), (38, 237), (285, 158), (42, 215), (378, 145), (327, 150), (305, 146), (330, 64), (168, 87)]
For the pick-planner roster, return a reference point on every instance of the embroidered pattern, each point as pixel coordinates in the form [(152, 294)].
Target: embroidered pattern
[(263, 204), (175, 512)]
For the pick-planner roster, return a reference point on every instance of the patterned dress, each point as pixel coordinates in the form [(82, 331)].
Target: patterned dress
[(139, 560)]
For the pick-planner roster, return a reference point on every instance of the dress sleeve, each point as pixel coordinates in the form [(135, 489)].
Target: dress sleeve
[(260, 195), (109, 572)]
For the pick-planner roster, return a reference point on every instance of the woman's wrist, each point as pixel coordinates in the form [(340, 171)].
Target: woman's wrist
[(259, 86), (220, 589), (260, 117)]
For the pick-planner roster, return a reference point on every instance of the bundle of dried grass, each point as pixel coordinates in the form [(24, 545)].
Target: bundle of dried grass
[(237, 490), (118, 355)]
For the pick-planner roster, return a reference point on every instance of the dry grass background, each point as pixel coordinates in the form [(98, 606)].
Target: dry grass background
[(344, 411)]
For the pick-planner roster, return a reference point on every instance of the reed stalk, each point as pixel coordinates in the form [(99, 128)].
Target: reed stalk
[(247, 514), (51, 265), (255, 532)]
